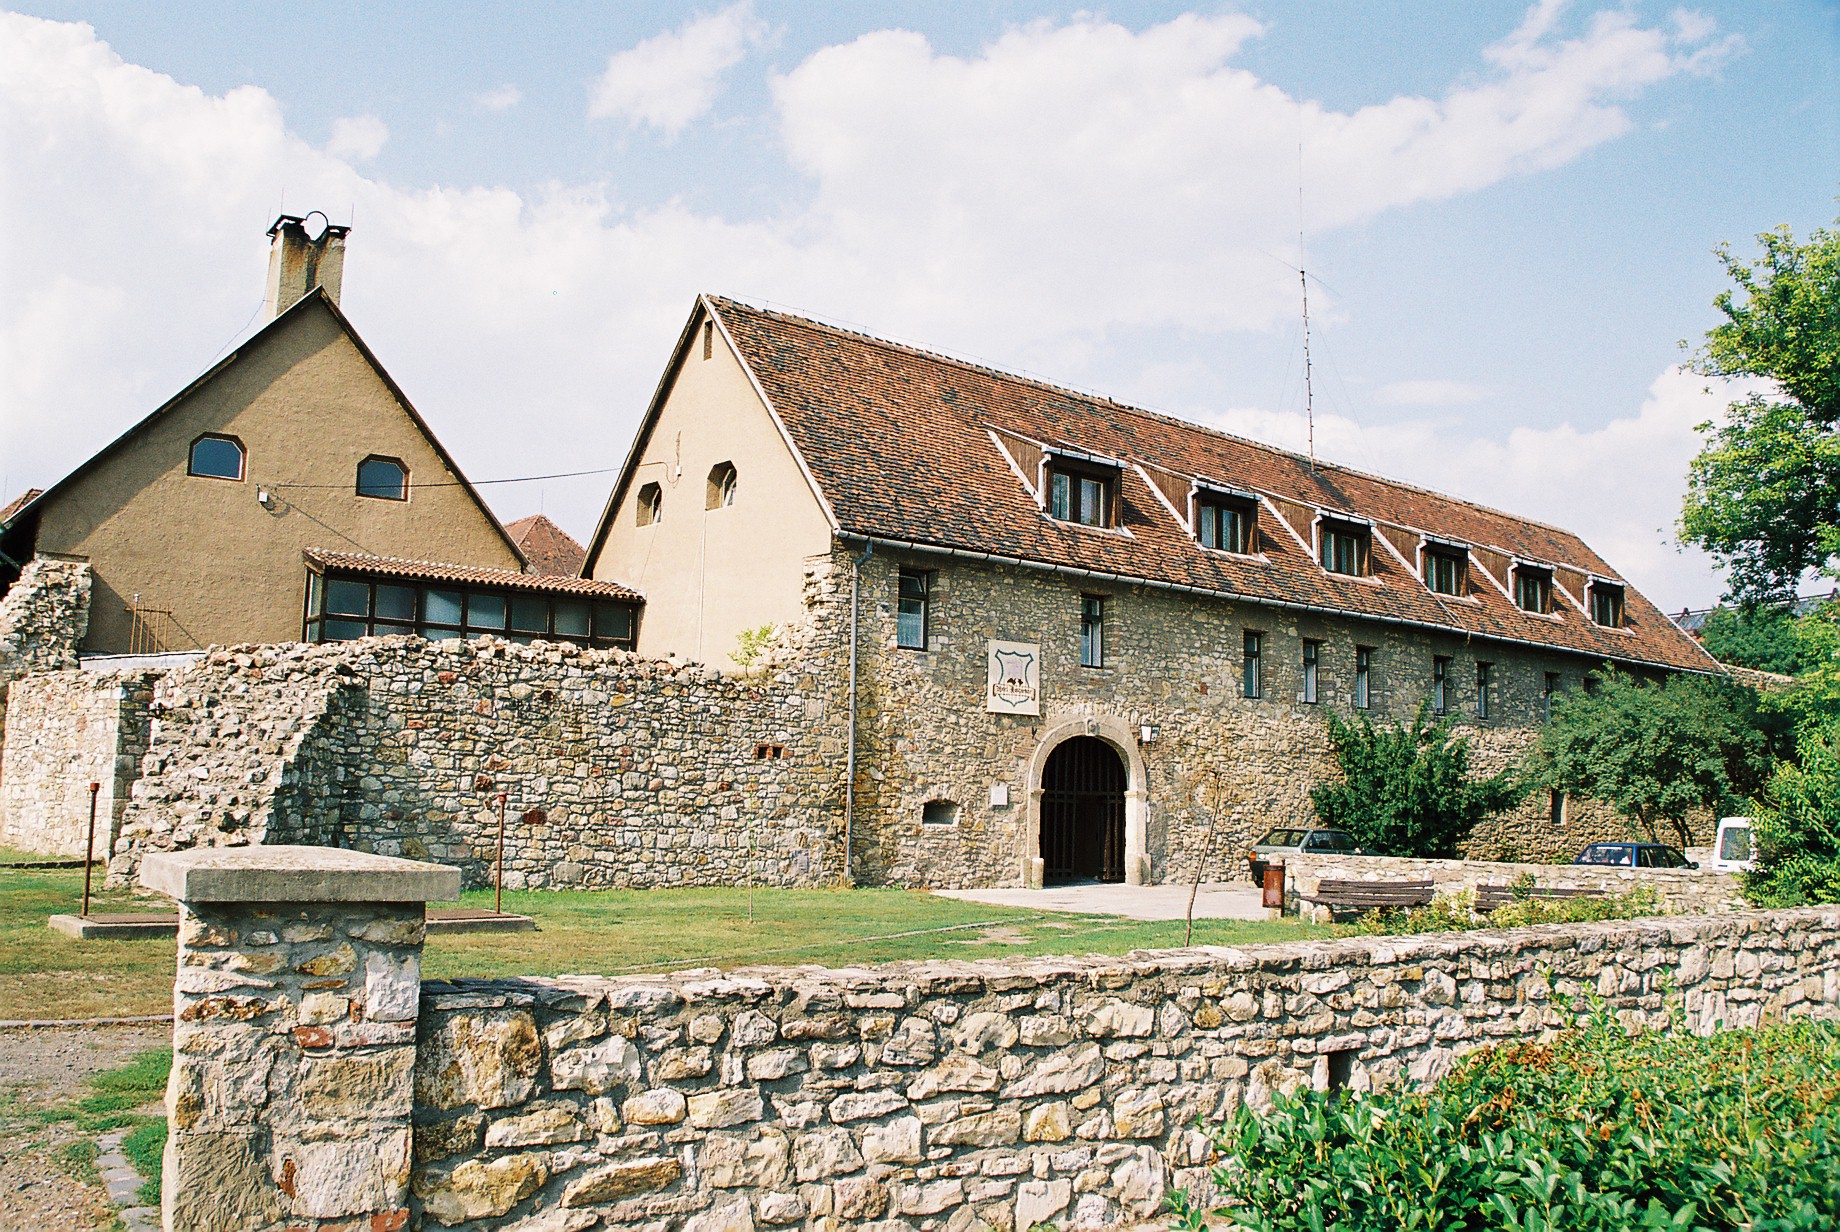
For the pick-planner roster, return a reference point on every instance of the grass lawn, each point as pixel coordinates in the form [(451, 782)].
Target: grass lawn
[(46, 975)]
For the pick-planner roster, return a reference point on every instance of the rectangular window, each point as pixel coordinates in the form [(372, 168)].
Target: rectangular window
[(1092, 631), (911, 618), (1483, 673), (1253, 681), (1440, 684), (1547, 694), (1446, 573), (1607, 605), (1087, 495), (1227, 525), (1344, 548), (1312, 657), (1555, 809), (1363, 671), (342, 608), (1532, 589)]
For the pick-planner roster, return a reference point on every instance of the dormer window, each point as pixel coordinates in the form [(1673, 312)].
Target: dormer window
[(1533, 588), (1344, 546), (1606, 604), (1446, 569), (1081, 491), (1226, 523)]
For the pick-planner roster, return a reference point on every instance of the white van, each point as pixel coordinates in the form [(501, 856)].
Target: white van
[(1731, 850)]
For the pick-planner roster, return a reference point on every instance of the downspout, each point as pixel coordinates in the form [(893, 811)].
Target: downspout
[(849, 765)]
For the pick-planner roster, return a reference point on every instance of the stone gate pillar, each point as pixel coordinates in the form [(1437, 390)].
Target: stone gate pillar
[(294, 1012)]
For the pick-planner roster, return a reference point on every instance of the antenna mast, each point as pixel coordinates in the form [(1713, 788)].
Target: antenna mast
[(1303, 278)]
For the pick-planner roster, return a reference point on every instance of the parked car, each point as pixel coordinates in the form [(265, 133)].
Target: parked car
[(1634, 855), (1731, 850), (1306, 840)]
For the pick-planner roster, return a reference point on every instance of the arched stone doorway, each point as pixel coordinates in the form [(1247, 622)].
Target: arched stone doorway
[(1082, 812), (1088, 806)]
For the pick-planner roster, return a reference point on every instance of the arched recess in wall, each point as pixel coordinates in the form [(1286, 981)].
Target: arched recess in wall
[(722, 479), (1118, 734), (650, 505)]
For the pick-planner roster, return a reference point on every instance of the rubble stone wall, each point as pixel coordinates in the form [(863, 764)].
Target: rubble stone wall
[(65, 730), (1681, 891), (43, 617), (945, 1095)]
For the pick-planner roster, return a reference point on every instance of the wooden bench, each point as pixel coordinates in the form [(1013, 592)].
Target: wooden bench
[(1490, 898), (1371, 895)]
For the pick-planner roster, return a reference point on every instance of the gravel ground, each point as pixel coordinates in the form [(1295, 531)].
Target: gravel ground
[(41, 1068)]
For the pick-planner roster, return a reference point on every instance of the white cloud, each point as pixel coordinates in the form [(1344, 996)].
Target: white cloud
[(671, 79), (1065, 182), (1431, 393), (357, 139), (1618, 486), (504, 98)]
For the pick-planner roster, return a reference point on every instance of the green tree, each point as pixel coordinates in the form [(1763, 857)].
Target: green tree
[(1763, 496), (1763, 637), (1657, 752), (1798, 828), (1407, 790)]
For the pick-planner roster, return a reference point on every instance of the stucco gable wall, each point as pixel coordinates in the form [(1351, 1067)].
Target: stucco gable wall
[(708, 574), (308, 407)]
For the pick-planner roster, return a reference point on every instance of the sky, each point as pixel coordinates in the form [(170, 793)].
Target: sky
[(1508, 214)]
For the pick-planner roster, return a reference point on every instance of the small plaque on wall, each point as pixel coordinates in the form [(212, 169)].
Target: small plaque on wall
[(1015, 678)]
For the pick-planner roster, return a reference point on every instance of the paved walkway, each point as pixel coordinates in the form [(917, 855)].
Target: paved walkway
[(1216, 901)]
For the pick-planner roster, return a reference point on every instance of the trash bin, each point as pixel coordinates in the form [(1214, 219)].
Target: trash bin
[(1274, 885)]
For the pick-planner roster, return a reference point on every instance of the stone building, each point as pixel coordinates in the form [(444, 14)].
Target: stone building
[(1074, 639), (199, 521)]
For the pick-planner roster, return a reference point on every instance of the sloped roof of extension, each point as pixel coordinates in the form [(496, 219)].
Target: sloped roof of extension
[(914, 447), (436, 571), (305, 304)]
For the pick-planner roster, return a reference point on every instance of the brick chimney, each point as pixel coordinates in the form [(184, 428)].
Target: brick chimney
[(303, 253)]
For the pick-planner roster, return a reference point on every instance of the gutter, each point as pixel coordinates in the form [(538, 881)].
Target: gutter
[(1100, 575)]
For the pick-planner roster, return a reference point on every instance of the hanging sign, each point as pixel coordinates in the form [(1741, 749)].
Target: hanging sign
[(1015, 678)]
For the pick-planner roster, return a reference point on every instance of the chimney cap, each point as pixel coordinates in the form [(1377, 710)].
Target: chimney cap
[(298, 220)]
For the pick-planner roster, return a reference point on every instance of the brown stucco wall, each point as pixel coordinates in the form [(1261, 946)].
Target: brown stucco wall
[(708, 574), (308, 407)]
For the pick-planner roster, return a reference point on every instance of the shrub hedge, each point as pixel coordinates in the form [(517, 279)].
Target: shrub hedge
[(1593, 1130)]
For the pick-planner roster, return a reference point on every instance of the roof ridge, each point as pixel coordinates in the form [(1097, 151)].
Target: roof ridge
[(1106, 400)]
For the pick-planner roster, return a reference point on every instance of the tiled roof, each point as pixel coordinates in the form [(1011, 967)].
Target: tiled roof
[(903, 444), (435, 571), (546, 546), (18, 503), (1693, 620)]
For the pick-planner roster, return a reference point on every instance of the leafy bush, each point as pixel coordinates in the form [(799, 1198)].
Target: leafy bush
[(1407, 791), (1450, 913), (1594, 1131), (750, 644), (1798, 828)]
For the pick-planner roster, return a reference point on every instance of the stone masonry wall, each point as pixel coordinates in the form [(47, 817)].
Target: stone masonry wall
[(43, 617), (1172, 662), (618, 771), (949, 1095), (1681, 891), (65, 730)]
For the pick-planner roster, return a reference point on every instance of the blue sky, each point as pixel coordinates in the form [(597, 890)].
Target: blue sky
[(1509, 212)]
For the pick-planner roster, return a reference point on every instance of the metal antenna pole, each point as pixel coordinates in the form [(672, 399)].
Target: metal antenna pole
[(1309, 402), (498, 900), (89, 855)]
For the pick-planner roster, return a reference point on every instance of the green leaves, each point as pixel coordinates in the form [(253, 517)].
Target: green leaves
[(1594, 1131), (1764, 494), (1407, 791)]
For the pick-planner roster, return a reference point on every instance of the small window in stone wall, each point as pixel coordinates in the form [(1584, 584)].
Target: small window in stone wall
[(1338, 1071), (1555, 806), (939, 813)]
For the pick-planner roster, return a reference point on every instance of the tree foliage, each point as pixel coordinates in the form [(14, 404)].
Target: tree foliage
[(1407, 790), (1759, 636), (1798, 828), (1763, 496), (1657, 752)]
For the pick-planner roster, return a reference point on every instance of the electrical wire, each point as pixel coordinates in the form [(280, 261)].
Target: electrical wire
[(477, 483)]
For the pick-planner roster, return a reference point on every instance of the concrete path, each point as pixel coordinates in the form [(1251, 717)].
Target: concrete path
[(1216, 901)]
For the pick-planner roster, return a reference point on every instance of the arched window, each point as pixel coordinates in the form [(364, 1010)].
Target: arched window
[(721, 486), (216, 457), (383, 478), (651, 505)]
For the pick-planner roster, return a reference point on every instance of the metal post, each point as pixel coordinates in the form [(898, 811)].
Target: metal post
[(498, 901), (89, 855)]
